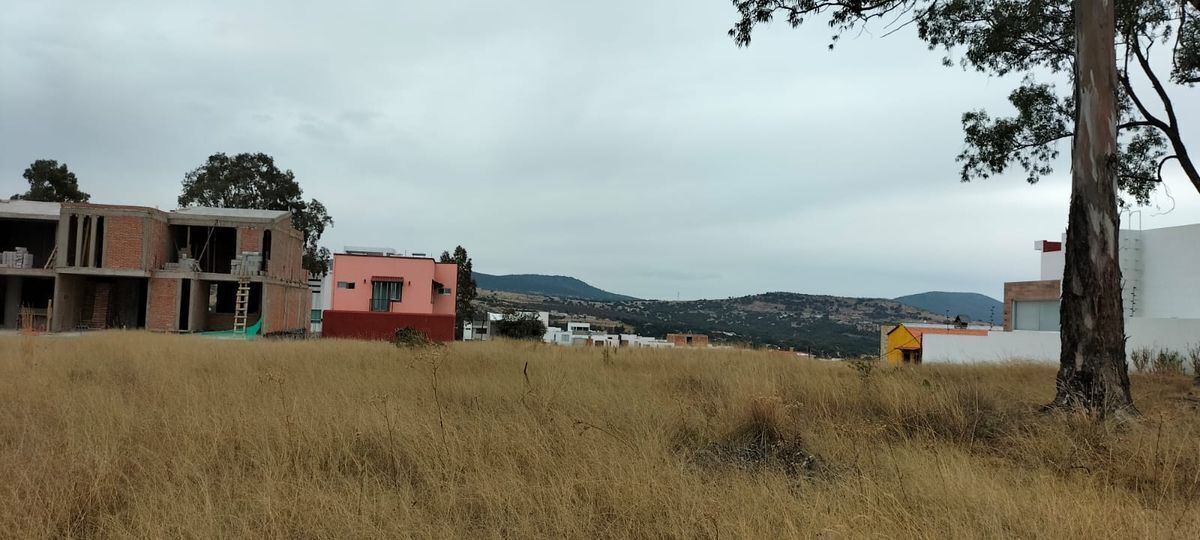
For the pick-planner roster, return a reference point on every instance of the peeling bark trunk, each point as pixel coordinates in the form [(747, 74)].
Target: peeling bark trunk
[(1092, 373)]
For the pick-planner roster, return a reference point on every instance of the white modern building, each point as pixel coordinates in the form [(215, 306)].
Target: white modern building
[(480, 328), (322, 299), (581, 334), (1160, 291)]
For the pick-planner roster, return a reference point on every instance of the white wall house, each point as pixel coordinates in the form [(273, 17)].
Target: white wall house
[(581, 334), (480, 328), (1160, 292), (322, 299)]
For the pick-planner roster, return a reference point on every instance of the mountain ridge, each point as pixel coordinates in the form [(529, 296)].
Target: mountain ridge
[(546, 285), (978, 307)]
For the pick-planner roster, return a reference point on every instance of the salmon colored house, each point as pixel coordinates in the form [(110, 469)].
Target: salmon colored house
[(375, 292), (904, 343)]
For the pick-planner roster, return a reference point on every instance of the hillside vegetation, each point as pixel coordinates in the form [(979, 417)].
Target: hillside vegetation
[(826, 325), (122, 435)]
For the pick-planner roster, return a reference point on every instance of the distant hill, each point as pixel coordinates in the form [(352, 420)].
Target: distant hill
[(537, 284), (978, 307), (825, 325)]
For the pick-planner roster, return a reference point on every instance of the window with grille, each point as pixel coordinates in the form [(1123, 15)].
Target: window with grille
[(383, 293)]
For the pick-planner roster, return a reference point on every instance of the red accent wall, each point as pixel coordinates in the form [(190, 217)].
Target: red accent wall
[(381, 326)]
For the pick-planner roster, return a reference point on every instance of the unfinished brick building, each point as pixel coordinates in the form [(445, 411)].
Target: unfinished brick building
[(104, 266)]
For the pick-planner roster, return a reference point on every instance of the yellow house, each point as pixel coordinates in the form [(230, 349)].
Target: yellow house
[(903, 347), (904, 344)]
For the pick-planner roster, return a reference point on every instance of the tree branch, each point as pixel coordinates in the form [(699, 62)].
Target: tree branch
[(1136, 123), (1169, 128), (1158, 87)]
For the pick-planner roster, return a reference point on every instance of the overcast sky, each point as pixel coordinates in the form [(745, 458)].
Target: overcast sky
[(627, 143)]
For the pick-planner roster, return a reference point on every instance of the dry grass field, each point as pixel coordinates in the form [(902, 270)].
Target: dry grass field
[(151, 436)]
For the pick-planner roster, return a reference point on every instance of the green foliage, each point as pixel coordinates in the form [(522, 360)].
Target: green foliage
[(464, 309), (864, 367), (253, 181), (999, 37), (1187, 55), (51, 182), (521, 326)]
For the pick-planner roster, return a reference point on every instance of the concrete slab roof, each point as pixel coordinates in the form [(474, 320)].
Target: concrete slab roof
[(20, 209), (232, 213)]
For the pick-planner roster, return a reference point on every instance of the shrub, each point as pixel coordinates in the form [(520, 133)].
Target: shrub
[(411, 337), (1140, 358), (523, 326), (1168, 362), (1193, 356), (863, 366)]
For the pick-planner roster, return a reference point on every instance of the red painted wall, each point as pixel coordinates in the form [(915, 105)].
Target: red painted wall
[(382, 326)]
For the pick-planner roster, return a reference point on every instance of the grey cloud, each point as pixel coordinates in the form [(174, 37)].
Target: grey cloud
[(628, 143)]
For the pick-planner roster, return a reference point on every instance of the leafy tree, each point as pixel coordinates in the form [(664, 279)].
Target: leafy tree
[(463, 308), (1000, 37), (51, 182), (253, 181), (1122, 140), (519, 326)]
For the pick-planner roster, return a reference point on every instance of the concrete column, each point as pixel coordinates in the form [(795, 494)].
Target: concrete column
[(93, 243), (79, 241), (12, 300)]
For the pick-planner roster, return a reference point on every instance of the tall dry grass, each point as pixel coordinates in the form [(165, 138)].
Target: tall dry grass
[(137, 435)]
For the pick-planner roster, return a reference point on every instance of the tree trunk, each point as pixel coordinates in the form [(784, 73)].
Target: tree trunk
[(1092, 372)]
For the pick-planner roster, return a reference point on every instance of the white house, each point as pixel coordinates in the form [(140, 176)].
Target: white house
[(581, 334), (1160, 291), (480, 328), (322, 299)]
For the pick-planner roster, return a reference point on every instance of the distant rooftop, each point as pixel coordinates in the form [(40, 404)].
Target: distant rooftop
[(20, 209), (232, 213), (367, 250)]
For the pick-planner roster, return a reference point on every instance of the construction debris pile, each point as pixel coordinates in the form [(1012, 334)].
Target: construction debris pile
[(249, 263), (19, 258), (186, 263)]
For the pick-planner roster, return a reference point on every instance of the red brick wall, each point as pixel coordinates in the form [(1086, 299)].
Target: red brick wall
[(123, 242), (382, 326), (1050, 289), (158, 251), (286, 307), (287, 255), (163, 296), (250, 239), (680, 340)]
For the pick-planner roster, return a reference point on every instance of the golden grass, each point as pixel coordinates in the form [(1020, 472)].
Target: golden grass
[(138, 435)]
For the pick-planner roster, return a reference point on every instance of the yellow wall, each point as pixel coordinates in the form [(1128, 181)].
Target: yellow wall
[(900, 337)]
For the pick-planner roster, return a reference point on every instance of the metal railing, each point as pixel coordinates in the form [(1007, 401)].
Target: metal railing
[(381, 304)]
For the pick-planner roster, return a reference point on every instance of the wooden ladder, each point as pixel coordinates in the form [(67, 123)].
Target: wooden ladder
[(241, 306)]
